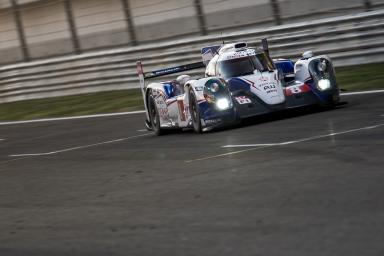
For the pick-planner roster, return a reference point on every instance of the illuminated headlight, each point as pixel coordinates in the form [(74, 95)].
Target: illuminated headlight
[(324, 84), (222, 104)]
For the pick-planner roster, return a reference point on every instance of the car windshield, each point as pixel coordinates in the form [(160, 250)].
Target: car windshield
[(245, 65)]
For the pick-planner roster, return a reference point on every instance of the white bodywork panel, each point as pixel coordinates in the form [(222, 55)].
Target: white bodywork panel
[(174, 111), (266, 86)]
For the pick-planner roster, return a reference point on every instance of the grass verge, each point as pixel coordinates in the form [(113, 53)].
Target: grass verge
[(354, 78), (84, 104), (362, 77)]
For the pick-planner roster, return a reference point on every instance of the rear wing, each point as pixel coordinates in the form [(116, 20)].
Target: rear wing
[(163, 72), (167, 71)]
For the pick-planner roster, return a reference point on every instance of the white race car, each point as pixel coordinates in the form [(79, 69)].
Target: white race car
[(239, 82)]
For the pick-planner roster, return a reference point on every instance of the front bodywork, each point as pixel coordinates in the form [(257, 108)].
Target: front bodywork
[(309, 82), (251, 76), (257, 94)]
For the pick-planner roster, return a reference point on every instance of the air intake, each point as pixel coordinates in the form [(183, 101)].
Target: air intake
[(240, 45)]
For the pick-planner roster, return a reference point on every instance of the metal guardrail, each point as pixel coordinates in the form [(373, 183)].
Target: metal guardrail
[(349, 40)]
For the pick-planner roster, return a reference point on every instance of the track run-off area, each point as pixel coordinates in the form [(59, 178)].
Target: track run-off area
[(303, 182)]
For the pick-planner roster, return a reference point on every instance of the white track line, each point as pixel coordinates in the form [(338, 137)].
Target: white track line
[(79, 147), (137, 112), (72, 118), (362, 92), (268, 145)]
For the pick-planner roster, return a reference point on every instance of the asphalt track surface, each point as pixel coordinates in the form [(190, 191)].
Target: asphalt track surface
[(298, 183)]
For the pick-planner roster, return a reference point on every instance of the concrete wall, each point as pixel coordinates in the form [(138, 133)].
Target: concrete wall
[(221, 14), (289, 8), (103, 23), (46, 28), (9, 42), (100, 23), (159, 19)]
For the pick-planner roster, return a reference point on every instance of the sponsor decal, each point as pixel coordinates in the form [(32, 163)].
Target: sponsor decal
[(212, 121), (243, 100), (240, 54), (269, 87), (199, 88), (162, 106), (165, 71), (163, 113)]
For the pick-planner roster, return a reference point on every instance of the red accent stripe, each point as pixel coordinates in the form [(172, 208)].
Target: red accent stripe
[(181, 110), (289, 91), (306, 88)]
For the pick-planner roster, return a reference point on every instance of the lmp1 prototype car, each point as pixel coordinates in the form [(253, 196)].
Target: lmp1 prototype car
[(309, 81), (240, 82)]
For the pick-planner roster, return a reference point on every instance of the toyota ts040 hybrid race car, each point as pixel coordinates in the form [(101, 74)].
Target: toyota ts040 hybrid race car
[(240, 82)]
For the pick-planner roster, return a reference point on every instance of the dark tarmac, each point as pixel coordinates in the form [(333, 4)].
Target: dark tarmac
[(310, 184)]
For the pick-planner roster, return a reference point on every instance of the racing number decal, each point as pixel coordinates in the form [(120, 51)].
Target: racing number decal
[(296, 89), (243, 100)]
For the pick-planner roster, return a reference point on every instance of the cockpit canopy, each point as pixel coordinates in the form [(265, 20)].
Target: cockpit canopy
[(245, 65), (239, 63)]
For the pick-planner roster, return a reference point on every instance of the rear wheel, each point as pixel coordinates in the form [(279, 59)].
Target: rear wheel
[(154, 116), (195, 112)]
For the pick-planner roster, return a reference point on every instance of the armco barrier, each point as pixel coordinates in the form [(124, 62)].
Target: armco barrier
[(349, 40)]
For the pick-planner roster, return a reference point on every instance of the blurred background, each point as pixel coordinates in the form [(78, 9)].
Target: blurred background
[(31, 29), (52, 48)]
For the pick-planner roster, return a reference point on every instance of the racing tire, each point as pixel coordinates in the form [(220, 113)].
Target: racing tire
[(154, 116), (195, 112)]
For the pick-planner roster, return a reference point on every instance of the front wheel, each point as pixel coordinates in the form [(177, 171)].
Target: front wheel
[(195, 112), (154, 116)]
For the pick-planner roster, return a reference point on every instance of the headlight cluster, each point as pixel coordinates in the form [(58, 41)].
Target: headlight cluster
[(215, 92), (322, 73)]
